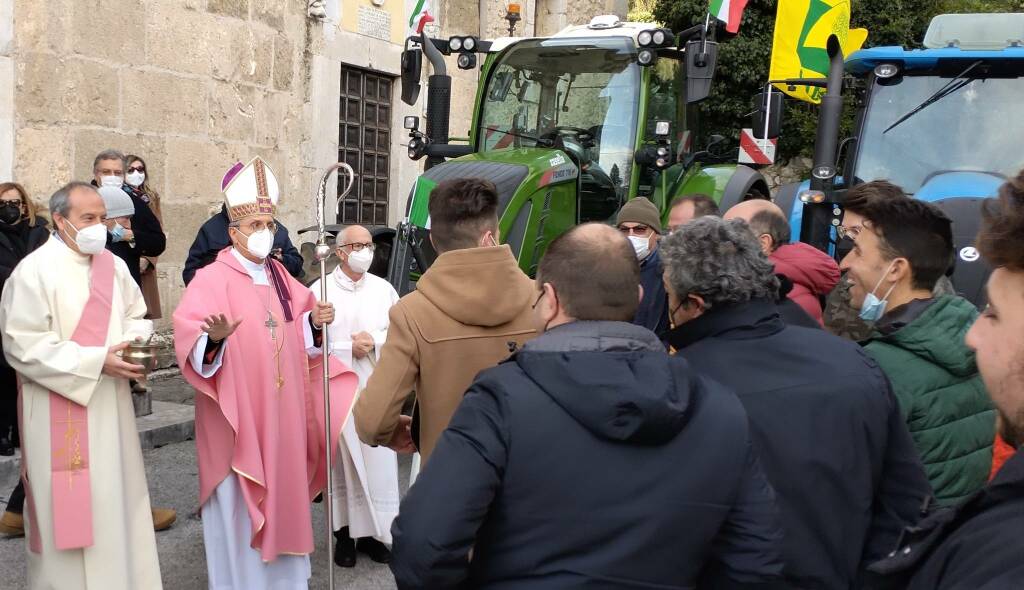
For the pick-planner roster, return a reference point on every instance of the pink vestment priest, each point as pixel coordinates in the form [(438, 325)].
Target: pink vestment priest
[(261, 414)]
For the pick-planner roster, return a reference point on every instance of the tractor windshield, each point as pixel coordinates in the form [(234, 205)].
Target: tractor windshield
[(588, 88), (974, 128)]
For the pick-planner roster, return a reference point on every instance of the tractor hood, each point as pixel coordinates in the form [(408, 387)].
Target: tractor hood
[(509, 169), (946, 185)]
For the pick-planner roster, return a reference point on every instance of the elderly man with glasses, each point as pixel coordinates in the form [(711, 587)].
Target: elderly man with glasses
[(640, 221), (365, 478)]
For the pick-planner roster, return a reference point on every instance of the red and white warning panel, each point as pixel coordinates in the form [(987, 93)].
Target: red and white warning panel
[(756, 151)]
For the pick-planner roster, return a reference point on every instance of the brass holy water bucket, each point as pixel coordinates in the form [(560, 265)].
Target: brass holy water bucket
[(142, 353)]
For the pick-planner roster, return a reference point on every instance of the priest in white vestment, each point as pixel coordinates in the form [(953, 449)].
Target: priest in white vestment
[(365, 478), (65, 314)]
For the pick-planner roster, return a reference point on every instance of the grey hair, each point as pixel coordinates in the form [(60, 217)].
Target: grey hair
[(719, 261), (772, 224), (60, 201), (110, 154)]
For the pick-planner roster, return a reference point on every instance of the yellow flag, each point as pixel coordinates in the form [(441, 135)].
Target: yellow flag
[(802, 29)]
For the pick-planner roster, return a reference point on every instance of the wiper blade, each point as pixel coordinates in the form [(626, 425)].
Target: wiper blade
[(538, 140), (958, 82)]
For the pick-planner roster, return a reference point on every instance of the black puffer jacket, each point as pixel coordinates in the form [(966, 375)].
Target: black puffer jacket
[(594, 460)]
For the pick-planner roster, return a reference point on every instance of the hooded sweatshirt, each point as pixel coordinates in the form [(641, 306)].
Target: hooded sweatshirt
[(469, 311), (920, 346), (592, 459), (813, 273)]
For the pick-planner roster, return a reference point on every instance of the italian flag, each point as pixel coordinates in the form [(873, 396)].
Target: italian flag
[(729, 12)]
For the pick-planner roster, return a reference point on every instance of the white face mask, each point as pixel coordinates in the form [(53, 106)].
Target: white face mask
[(136, 178), (642, 246), (116, 181), (260, 243), (90, 240), (360, 261)]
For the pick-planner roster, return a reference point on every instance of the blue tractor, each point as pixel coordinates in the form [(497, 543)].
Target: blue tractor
[(944, 123)]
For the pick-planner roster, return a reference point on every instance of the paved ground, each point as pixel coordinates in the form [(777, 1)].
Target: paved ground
[(174, 483)]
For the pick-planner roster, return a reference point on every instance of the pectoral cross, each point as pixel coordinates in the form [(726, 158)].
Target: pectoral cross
[(271, 323)]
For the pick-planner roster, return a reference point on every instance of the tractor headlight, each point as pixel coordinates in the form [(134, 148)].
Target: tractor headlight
[(885, 71), (663, 157), (645, 38), (812, 197), (469, 44), (416, 148), (466, 61), (646, 57), (658, 37), (455, 43)]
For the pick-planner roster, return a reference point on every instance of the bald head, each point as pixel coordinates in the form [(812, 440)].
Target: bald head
[(352, 234), (595, 273), (766, 220)]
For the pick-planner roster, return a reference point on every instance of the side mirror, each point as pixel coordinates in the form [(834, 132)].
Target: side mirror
[(767, 116), (412, 65), (701, 57), (501, 83)]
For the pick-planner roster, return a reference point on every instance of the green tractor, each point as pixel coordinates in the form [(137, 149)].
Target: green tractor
[(568, 128)]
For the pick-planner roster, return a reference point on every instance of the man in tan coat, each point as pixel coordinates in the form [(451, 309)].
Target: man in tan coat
[(470, 308)]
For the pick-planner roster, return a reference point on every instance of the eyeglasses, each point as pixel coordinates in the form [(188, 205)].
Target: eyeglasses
[(850, 232), (359, 246), (257, 226), (137, 168), (636, 230)]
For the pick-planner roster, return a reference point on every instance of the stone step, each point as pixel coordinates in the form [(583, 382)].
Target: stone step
[(169, 423)]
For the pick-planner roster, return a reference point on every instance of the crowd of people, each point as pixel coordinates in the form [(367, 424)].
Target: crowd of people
[(663, 406)]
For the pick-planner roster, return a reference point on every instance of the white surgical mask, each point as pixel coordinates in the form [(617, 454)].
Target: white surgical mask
[(642, 246), (111, 181), (873, 308), (135, 178), (360, 261), (90, 240), (260, 243)]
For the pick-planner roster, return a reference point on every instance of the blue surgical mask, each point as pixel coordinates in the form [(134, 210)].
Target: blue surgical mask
[(117, 232), (873, 308)]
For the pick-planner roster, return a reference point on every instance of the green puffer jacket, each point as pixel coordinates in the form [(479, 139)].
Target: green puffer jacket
[(941, 395)]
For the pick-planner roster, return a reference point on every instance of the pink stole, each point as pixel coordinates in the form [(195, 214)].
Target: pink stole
[(69, 425)]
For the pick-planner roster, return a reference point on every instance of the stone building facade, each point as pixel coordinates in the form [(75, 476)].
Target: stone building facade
[(195, 85)]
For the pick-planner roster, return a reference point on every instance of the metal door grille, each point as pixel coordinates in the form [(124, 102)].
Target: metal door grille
[(364, 143)]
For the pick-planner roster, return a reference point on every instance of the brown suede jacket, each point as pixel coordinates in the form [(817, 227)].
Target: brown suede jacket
[(464, 316)]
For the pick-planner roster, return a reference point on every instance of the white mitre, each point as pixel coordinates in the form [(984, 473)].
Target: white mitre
[(250, 190)]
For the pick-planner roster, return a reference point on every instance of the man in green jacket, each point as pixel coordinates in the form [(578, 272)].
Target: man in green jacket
[(902, 246)]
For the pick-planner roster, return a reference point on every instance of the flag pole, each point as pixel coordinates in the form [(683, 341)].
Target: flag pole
[(322, 253)]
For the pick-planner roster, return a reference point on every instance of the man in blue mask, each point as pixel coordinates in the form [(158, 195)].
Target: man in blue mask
[(901, 247)]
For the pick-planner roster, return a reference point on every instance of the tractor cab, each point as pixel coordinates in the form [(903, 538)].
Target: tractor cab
[(941, 122)]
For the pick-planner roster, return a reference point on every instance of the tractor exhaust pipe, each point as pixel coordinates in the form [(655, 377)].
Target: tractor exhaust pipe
[(439, 99), (816, 226)]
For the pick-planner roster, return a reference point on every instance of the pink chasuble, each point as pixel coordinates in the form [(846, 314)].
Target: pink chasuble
[(270, 436), (71, 487)]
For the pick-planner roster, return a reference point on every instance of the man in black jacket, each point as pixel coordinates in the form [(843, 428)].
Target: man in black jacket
[(147, 235), (823, 417), (977, 544), (213, 237), (590, 459)]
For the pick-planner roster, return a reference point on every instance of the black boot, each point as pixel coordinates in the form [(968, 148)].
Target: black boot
[(344, 549), (374, 549)]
